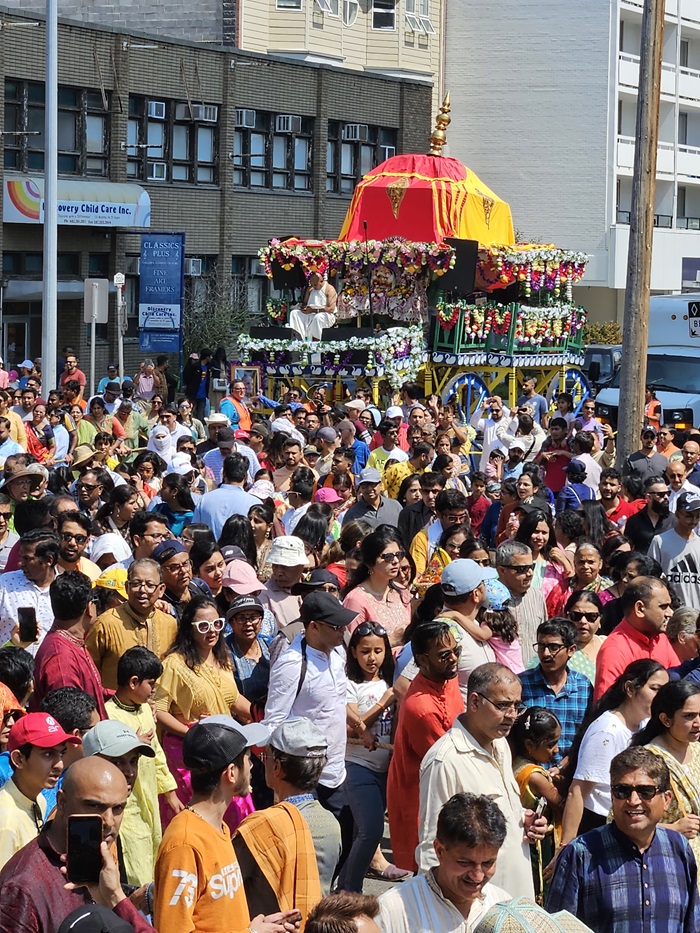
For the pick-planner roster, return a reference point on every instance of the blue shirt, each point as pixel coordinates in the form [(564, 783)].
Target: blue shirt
[(215, 507), (569, 705), (536, 405), (361, 451), (604, 880)]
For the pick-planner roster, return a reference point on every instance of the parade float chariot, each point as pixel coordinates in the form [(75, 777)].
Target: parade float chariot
[(427, 262)]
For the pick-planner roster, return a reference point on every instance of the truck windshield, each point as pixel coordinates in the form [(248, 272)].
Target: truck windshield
[(669, 374)]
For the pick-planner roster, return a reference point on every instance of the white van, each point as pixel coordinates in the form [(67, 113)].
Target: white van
[(673, 362)]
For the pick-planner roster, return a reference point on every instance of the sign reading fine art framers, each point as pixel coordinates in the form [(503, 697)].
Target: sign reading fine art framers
[(161, 290)]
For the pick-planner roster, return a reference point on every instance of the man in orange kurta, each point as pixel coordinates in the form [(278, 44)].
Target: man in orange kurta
[(429, 709)]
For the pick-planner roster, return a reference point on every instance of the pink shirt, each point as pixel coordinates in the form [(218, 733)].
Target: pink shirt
[(393, 612)]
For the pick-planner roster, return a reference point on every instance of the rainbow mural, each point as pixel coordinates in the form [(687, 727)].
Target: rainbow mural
[(25, 196)]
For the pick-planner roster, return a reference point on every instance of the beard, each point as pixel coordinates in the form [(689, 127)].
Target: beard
[(661, 509)]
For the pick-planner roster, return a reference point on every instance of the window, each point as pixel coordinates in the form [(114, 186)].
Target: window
[(682, 129), (83, 129), (680, 206), (350, 10), (683, 56), (31, 265), (329, 7), (274, 153), (418, 16), (98, 265), (383, 14), (168, 141), (288, 4), (347, 160)]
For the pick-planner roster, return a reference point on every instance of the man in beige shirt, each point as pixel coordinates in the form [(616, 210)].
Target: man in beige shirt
[(135, 622), (474, 757)]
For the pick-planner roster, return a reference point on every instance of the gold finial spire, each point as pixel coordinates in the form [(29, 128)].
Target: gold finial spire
[(438, 137)]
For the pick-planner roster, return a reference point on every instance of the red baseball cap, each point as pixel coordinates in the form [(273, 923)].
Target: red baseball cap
[(38, 729)]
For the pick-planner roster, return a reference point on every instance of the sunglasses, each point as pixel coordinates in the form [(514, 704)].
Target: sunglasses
[(389, 558), (370, 628), (88, 486), (204, 627), (580, 616), (644, 791), (521, 569), (79, 539)]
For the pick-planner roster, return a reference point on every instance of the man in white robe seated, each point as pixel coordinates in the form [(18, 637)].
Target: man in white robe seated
[(316, 311)]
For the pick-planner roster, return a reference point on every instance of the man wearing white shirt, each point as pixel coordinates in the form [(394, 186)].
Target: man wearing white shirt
[(678, 550), (457, 892), (492, 414), (30, 587), (308, 679), (676, 474), (301, 489)]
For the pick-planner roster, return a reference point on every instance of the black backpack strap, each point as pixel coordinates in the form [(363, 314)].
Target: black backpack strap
[(304, 666)]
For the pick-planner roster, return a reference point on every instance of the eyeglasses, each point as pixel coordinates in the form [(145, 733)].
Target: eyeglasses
[(146, 585), (204, 627), (157, 536), (520, 569), (660, 495), (388, 557), (370, 628), (79, 539), (445, 656), (455, 519), (89, 486), (518, 708), (580, 616), (482, 562), (245, 618), (644, 791), (553, 649)]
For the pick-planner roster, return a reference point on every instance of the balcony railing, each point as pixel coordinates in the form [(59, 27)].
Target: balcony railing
[(660, 220), (688, 223)]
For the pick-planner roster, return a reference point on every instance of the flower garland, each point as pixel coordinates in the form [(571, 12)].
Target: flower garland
[(399, 352), (537, 267), (277, 309), (534, 325)]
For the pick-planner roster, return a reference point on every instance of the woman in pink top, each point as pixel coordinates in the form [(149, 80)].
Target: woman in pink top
[(372, 591)]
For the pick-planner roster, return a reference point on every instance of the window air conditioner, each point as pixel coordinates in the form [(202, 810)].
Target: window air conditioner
[(156, 109), (356, 132), (157, 171), (193, 266), (287, 124), (245, 118), (201, 113)]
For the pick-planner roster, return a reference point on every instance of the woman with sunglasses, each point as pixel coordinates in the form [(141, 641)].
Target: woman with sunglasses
[(184, 416), (372, 590), (197, 681), (606, 730), (152, 416), (584, 608), (370, 711), (672, 733)]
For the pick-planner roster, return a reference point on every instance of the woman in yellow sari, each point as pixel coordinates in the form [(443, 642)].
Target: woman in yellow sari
[(197, 681), (672, 733)]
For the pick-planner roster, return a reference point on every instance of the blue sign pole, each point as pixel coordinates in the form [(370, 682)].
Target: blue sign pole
[(161, 293)]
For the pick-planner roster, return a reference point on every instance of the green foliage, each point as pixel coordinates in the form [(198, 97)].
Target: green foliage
[(602, 332), (216, 312)]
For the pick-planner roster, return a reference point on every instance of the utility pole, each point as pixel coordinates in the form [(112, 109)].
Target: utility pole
[(635, 337), (49, 292)]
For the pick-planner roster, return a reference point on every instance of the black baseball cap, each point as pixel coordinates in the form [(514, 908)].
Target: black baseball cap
[(323, 607), (317, 578), (217, 741)]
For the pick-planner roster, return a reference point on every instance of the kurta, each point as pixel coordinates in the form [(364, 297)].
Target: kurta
[(429, 709), (191, 694), (117, 630), (458, 764), (140, 830)]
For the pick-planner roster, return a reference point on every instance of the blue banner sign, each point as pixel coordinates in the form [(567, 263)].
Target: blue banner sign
[(160, 341), (161, 281)]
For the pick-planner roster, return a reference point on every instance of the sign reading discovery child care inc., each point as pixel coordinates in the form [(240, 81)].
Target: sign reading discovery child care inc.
[(80, 203)]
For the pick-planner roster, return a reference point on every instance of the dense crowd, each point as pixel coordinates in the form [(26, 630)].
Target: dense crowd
[(244, 638)]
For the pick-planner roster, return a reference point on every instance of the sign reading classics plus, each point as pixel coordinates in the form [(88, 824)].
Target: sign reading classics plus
[(161, 281)]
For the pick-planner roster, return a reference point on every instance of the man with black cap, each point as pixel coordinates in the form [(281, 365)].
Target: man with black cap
[(198, 883), (308, 679), (678, 550), (646, 461), (575, 489), (226, 444), (327, 441), (375, 508)]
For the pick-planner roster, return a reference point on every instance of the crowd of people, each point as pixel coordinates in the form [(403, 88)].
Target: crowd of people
[(246, 638)]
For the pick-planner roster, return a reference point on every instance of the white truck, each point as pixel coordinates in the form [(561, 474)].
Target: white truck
[(673, 362)]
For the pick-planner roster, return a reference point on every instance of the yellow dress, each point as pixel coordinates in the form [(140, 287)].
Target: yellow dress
[(685, 784), (191, 694)]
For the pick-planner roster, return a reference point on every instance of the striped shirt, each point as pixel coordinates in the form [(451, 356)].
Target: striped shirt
[(419, 906), (611, 886)]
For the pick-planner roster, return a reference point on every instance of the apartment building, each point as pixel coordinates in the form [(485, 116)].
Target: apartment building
[(544, 109), (231, 147)]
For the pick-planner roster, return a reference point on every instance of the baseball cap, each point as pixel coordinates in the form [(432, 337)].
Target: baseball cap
[(649, 429), (242, 603), (288, 551), (216, 741), (241, 577), (181, 464), (167, 549), (394, 411), (575, 466), (231, 552), (327, 434), (370, 475), (241, 435), (317, 578), (689, 501), (225, 437), (323, 607), (113, 739), (299, 737), (39, 729), (493, 488), (311, 451), (356, 403), (26, 364), (497, 594), (258, 427), (113, 579), (328, 495), (94, 918), (464, 575), (262, 489), (520, 443)]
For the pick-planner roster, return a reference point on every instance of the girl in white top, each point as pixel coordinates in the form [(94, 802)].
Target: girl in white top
[(607, 730), (370, 710)]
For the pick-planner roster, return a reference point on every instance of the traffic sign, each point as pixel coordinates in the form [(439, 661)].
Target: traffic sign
[(96, 305)]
